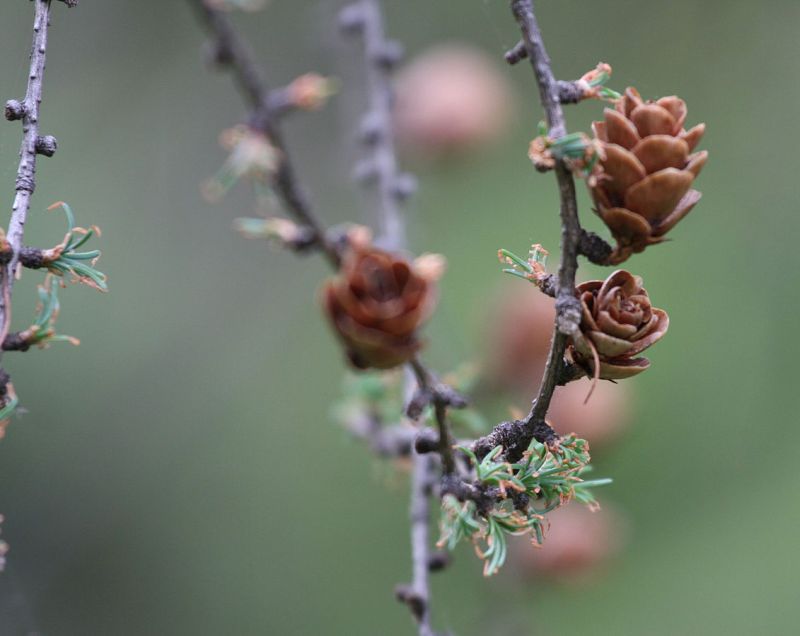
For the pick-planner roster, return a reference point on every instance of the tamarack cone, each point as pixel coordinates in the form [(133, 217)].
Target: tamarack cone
[(377, 303), (643, 185), (618, 323)]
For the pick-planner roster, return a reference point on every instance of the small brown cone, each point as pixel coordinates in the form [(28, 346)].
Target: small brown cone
[(643, 185), (618, 323), (377, 303)]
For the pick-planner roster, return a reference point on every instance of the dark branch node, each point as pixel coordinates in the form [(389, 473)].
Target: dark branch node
[(6, 253), (516, 53), (14, 110), (416, 602), (70, 3), (438, 561), (570, 92), (514, 437), (520, 500), (483, 496), (217, 54), (15, 342), (548, 285), (371, 129), (437, 394), (594, 248), (422, 398), (31, 257), (542, 433), (351, 19), (389, 55), (404, 186), (305, 241), (569, 372), (5, 380), (25, 183), (46, 145), (427, 441)]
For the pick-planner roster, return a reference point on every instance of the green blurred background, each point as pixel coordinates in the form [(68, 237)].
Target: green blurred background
[(178, 473)]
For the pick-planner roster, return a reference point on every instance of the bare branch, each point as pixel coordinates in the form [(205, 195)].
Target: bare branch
[(567, 305), (441, 398), (28, 112), (231, 51), (515, 436), (377, 134), (417, 595), (381, 56)]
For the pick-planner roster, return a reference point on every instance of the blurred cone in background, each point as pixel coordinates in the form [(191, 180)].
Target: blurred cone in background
[(577, 545), (517, 340), (451, 99), (600, 420)]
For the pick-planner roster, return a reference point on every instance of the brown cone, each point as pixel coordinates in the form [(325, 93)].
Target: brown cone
[(644, 184), (376, 304), (618, 323)]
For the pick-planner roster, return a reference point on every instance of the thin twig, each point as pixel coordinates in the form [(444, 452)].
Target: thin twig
[(417, 595), (381, 56), (377, 133), (568, 312), (232, 52), (515, 436), (28, 112), (440, 401), (384, 441)]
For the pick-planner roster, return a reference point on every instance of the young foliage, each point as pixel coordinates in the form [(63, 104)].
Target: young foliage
[(43, 330), (551, 476), (65, 259)]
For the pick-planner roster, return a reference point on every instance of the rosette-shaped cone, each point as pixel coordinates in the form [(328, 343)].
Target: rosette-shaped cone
[(377, 303), (617, 324), (644, 183)]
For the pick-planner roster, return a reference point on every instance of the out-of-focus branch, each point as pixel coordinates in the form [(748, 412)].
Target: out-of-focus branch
[(417, 594), (376, 133), (231, 51), (381, 56)]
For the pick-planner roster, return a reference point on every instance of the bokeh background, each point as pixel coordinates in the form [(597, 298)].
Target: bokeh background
[(179, 474)]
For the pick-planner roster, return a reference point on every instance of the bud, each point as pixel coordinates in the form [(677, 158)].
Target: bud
[(310, 91), (283, 232), (540, 154), (252, 156)]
